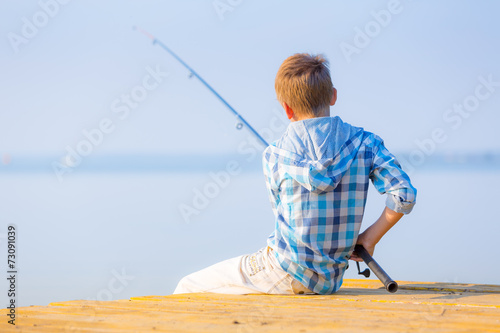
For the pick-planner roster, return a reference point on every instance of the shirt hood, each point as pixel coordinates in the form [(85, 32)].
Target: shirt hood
[(314, 152)]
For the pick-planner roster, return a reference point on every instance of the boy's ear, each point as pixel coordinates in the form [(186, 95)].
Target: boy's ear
[(334, 97), (288, 110)]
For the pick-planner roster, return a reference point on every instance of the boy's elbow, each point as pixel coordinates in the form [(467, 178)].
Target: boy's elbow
[(403, 202)]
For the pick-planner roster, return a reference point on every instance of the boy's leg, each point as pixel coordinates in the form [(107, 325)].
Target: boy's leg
[(248, 274), (224, 277)]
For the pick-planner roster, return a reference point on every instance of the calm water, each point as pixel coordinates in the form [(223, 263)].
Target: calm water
[(116, 235)]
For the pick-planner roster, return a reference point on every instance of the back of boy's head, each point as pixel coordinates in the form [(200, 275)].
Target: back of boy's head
[(303, 82)]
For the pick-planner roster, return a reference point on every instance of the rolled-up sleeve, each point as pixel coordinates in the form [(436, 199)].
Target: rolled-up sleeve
[(389, 178)]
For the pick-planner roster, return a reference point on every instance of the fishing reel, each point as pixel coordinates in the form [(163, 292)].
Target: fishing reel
[(365, 273)]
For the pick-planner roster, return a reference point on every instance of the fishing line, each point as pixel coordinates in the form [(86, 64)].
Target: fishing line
[(240, 120)]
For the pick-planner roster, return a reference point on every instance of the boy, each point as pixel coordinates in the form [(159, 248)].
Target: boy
[(317, 175)]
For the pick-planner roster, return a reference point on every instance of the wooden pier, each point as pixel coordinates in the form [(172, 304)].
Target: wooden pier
[(360, 306)]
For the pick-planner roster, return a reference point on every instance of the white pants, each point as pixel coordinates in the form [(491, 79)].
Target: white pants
[(248, 274)]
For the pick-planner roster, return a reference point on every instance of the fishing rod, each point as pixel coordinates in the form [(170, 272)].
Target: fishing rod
[(389, 284), (240, 119)]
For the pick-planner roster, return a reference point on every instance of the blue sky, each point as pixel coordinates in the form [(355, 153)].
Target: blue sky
[(64, 80)]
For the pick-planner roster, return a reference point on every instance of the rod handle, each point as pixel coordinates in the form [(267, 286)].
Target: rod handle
[(390, 285)]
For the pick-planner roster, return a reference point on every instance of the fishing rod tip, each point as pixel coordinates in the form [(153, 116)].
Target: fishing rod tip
[(144, 32)]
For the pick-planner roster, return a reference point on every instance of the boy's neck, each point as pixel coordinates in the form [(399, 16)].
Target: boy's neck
[(326, 113)]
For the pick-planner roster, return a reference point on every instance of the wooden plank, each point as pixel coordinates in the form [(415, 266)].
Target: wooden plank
[(360, 305)]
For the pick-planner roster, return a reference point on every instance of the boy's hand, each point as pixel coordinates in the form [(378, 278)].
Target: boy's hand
[(371, 236), (369, 247)]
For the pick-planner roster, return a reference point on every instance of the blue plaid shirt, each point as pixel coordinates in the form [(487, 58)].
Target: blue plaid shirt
[(317, 175)]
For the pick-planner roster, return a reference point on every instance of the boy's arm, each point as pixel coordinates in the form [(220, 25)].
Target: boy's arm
[(371, 236), (273, 195), (388, 178)]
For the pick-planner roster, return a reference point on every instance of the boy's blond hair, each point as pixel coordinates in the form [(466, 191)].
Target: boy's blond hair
[(303, 82)]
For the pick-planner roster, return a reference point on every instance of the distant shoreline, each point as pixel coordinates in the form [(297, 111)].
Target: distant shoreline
[(142, 163)]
